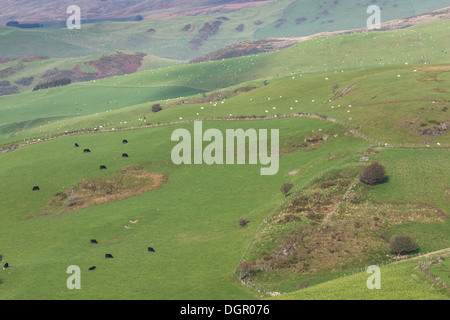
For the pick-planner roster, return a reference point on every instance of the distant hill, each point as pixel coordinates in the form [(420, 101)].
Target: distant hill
[(25, 73), (257, 46), (183, 30), (48, 10), (303, 18), (334, 100)]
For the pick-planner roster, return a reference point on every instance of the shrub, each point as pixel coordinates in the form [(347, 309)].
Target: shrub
[(372, 174), (245, 269), (156, 107), (240, 27), (285, 188), (402, 244), (5, 83), (243, 221)]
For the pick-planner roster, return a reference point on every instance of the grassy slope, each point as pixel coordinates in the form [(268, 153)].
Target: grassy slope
[(37, 68), (427, 45), (397, 114), (405, 168), (430, 168), (169, 40), (398, 282), (442, 270), (57, 242), (336, 17), (198, 242)]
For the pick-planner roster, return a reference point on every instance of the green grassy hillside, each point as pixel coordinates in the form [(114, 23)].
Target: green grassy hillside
[(198, 243), (302, 18), (42, 69), (318, 247), (400, 115), (158, 37), (399, 282), (369, 89), (181, 38)]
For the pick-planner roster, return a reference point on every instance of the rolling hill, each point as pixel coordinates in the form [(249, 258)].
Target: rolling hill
[(303, 18), (43, 11), (381, 95), (421, 67), (25, 73), (186, 37), (401, 281)]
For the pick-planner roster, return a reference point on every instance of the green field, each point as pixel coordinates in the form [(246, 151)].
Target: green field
[(198, 242)]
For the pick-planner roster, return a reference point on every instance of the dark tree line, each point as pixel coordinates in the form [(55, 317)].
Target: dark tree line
[(52, 84), (23, 25), (5, 83)]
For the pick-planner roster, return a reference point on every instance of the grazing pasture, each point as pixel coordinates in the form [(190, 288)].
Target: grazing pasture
[(195, 254)]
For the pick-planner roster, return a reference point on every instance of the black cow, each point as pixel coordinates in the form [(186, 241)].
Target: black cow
[(124, 155), (6, 266), (150, 249), (94, 241), (92, 268), (86, 151), (103, 168), (36, 188), (77, 145), (125, 141), (108, 256)]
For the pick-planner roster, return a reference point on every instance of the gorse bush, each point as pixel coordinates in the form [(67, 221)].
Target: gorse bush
[(372, 174)]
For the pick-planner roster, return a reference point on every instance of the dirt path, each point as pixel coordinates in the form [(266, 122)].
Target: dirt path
[(426, 255)]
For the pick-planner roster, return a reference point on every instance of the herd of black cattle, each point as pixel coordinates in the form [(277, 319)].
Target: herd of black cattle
[(93, 241), (109, 256), (102, 167)]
